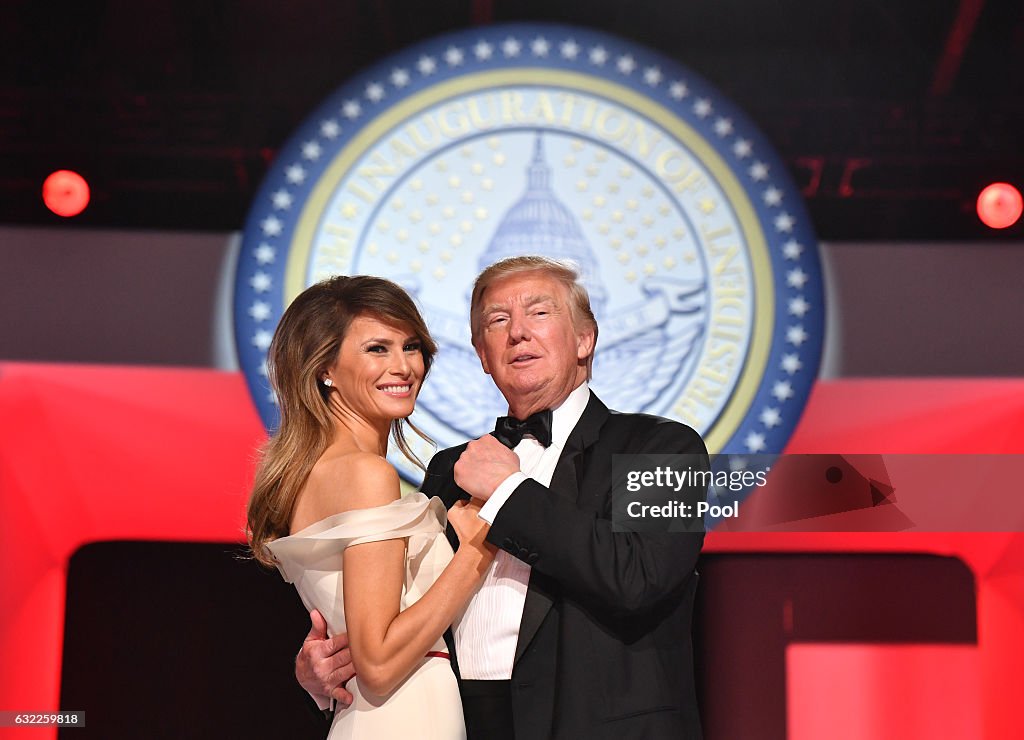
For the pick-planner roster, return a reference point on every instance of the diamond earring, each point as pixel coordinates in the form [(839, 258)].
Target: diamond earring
[(328, 382)]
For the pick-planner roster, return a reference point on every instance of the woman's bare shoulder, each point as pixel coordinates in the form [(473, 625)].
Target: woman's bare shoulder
[(346, 481)]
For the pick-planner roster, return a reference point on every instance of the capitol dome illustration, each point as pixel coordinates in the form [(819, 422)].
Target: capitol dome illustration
[(539, 223)]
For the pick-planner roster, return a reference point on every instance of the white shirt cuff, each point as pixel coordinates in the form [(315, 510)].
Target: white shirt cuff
[(490, 509), (323, 702)]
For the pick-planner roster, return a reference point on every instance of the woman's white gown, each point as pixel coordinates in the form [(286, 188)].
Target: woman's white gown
[(426, 705)]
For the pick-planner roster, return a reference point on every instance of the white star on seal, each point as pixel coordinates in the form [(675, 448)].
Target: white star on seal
[(263, 369), (702, 107), (260, 310), (374, 92), (399, 77), (758, 171), (626, 64), (540, 47), (271, 226), (678, 90), (796, 335), (782, 390), (754, 441), (510, 47), (784, 223), (770, 416), (723, 127), (295, 174), (483, 50), (772, 196), (798, 306), (453, 56), (265, 254), (262, 339), (598, 56), (569, 49), (652, 76), (260, 282), (796, 278), (742, 148), (281, 199), (792, 249), (791, 363), (330, 128), (351, 109), (311, 151), (426, 65)]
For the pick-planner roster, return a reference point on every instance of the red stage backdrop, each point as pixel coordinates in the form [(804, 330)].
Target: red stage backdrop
[(93, 453)]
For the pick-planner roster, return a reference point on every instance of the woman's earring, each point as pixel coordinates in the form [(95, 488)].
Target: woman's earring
[(328, 382)]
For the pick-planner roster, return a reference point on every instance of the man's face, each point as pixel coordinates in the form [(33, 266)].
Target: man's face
[(528, 343)]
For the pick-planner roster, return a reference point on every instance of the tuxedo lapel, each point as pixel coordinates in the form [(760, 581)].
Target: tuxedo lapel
[(451, 495), (440, 481), (453, 539), (565, 481)]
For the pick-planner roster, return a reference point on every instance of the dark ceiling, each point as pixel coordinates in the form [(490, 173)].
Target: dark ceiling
[(891, 114)]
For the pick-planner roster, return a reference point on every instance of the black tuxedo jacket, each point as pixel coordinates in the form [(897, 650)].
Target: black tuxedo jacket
[(604, 645)]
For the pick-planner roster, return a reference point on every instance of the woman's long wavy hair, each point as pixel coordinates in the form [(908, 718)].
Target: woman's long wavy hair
[(304, 346)]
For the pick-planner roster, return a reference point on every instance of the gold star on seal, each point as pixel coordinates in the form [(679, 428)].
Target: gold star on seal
[(706, 205)]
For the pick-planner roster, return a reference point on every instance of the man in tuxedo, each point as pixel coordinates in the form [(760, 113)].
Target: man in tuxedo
[(578, 630)]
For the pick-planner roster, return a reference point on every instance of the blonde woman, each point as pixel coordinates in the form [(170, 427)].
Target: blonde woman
[(347, 362)]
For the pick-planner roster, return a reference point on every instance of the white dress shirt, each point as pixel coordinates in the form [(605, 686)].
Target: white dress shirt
[(488, 629)]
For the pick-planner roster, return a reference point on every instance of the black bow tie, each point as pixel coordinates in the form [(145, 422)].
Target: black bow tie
[(509, 430)]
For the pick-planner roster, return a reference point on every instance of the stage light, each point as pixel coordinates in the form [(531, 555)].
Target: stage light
[(1000, 205), (66, 193)]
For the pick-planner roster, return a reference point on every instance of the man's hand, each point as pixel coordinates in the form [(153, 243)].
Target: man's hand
[(324, 665), (483, 466)]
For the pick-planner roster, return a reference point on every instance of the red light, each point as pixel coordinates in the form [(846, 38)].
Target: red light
[(66, 193), (1000, 205)]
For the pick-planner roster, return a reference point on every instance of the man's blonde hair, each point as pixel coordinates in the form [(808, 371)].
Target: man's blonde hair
[(563, 272)]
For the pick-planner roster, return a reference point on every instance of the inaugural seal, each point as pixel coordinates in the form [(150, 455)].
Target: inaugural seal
[(695, 247)]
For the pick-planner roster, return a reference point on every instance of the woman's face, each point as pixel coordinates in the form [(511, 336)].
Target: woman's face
[(379, 369)]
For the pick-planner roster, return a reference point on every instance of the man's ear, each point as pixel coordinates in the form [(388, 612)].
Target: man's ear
[(584, 344)]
